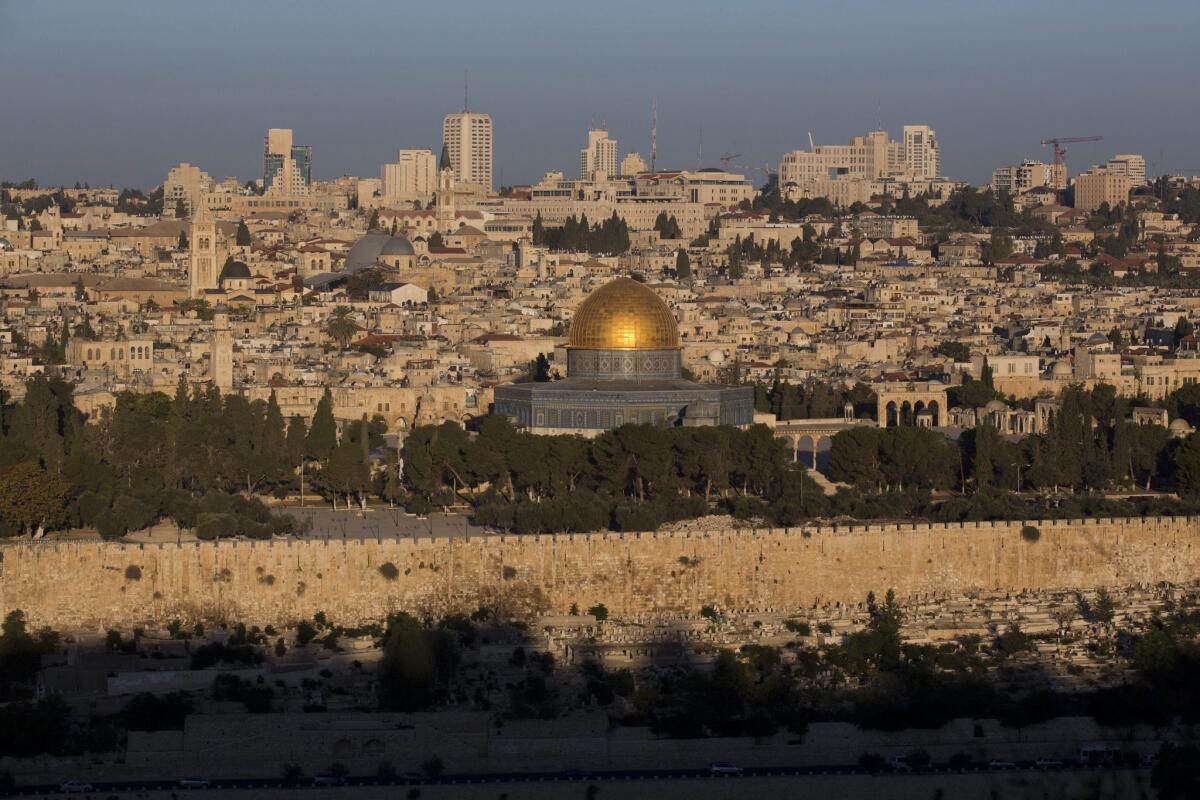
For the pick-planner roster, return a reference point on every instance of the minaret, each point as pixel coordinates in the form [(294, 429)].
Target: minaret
[(444, 206), (221, 364), (206, 256)]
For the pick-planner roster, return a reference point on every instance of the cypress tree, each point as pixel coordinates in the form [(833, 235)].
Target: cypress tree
[(243, 235), (683, 266), (322, 436), (296, 433), (273, 447)]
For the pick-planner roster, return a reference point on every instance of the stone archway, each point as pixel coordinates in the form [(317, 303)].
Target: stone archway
[(901, 403)]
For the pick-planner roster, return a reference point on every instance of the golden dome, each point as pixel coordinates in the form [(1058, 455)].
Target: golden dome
[(624, 315)]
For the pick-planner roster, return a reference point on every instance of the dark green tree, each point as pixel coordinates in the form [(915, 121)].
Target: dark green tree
[(683, 266), (322, 435)]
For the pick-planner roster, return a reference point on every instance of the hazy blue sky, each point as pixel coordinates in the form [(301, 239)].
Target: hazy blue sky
[(118, 91)]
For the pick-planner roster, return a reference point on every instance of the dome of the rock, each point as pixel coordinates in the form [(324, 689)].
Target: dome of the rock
[(624, 315)]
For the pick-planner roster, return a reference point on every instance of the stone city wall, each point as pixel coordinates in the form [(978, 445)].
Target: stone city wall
[(93, 585)]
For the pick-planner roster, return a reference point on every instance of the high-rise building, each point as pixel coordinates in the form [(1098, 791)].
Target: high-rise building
[(467, 138), (412, 177), (922, 157), (1131, 166), (287, 167), (600, 155)]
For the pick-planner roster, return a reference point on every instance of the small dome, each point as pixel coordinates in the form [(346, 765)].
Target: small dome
[(996, 405), (1179, 425), (397, 246), (716, 357), (235, 269), (1061, 369)]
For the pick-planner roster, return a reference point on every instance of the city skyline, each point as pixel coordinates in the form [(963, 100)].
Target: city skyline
[(357, 96)]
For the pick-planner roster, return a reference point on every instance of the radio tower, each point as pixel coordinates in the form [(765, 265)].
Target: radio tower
[(654, 136)]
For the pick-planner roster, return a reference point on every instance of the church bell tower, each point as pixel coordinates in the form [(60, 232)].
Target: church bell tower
[(445, 212), (206, 256)]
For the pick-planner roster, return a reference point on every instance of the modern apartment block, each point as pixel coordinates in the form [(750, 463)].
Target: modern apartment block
[(467, 137), (413, 176), (1019, 178)]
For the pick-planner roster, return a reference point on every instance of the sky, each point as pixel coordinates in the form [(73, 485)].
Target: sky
[(118, 92)]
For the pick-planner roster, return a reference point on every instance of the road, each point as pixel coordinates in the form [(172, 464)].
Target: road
[(574, 776), (379, 522)]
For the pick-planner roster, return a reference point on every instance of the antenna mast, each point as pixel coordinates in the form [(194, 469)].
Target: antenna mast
[(654, 137), (466, 88), (700, 150)]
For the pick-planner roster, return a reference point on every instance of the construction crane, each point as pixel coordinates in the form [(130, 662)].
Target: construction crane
[(1060, 152), (727, 158)]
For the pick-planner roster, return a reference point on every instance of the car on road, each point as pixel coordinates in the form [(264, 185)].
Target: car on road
[(75, 787), (194, 783), (328, 779), (997, 764), (723, 768), (575, 774), (1048, 763)]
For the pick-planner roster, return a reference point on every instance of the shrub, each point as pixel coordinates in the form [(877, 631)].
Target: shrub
[(1030, 534), (389, 571), (798, 627), (213, 526), (599, 611), (133, 573), (305, 632)]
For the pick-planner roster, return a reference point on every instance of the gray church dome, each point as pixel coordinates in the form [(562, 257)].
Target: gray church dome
[(235, 269), (398, 246), (366, 251)]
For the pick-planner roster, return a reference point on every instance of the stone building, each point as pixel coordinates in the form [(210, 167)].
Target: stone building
[(623, 365)]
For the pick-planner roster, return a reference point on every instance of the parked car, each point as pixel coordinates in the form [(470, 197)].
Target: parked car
[(1048, 763), (194, 783), (75, 787), (724, 768), (997, 764)]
